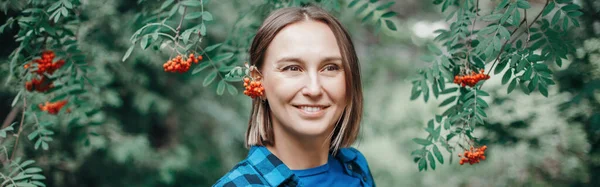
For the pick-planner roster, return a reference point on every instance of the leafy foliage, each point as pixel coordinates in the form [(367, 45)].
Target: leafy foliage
[(500, 42)]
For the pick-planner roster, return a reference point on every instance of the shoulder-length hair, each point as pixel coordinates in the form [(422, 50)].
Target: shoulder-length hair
[(260, 127)]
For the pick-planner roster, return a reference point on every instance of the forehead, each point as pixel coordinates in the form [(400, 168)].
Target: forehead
[(304, 39)]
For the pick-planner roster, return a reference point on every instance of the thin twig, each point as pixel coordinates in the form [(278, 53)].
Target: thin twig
[(12, 155)]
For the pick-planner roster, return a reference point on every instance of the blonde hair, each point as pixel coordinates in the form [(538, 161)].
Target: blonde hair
[(260, 127)]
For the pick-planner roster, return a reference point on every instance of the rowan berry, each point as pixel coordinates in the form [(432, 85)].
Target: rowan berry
[(470, 80), (41, 85), (52, 108), (254, 88), (179, 64), (473, 156)]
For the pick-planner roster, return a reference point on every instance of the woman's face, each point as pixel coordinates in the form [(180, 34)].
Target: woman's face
[(304, 81)]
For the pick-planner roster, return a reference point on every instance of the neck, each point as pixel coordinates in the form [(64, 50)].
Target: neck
[(299, 153)]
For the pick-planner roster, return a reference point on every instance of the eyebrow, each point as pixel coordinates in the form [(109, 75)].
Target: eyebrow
[(298, 60)]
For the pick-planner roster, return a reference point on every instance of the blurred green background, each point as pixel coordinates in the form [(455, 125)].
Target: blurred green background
[(164, 129)]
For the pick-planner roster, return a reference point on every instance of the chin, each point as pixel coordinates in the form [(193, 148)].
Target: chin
[(311, 129)]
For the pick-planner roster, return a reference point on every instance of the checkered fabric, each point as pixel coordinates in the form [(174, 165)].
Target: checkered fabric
[(262, 168)]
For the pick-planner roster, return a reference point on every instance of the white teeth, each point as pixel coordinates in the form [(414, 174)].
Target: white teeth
[(311, 109)]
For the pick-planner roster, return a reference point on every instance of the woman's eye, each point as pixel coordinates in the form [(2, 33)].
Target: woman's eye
[(291, 68), (332, 68)]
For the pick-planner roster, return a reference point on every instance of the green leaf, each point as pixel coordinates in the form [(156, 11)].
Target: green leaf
[(388, 14), (54, 6), (506, 76), (438, 154), (44, 145), (435, 50), (191, 3), (210, 78), (21, 184), (448, 101), (548, 8), (33, 170), (558, 62), (127, 53), (524, 87), (431, 160), (527, 74), (203, 29), (368, 17), (511, 86), (207, 16), (166, 4), (555, 18), (575, 14), (212, 47), (504, 33), (543, 89), (16, 99), (64, 11), (427, 58), (415, 93), (492, 17), (231, 89), (422, 141), (417, 152), (523, 4), (385, 5), (570, 7), (32, 135), (193, 15), (482, 93), (390, 25), (354, 2), (221, 87), (482, 103), (222, 56), (26, 163), (422, 164), (362, 8), (481, 112), (500, 66)]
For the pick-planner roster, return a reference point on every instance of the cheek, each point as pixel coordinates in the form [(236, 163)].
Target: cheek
[(281, 88), (337, 90)]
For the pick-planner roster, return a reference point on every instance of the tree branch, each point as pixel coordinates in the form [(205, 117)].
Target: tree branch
[(12, 155), (506, 42)]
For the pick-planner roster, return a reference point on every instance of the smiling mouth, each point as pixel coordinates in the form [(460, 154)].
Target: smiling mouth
[(311, 108)]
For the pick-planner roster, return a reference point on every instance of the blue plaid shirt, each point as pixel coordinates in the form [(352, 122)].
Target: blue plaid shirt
[(262, 168)]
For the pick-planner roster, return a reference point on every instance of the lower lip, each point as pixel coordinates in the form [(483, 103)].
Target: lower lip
[(311, 115)]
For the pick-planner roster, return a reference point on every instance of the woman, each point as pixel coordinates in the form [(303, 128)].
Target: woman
[(301, 128)]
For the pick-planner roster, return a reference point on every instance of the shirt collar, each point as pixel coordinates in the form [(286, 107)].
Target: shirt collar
[(269, 166), (345, 155), (275, 172)]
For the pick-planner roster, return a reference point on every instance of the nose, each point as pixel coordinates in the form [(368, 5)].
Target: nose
[(313, 86)]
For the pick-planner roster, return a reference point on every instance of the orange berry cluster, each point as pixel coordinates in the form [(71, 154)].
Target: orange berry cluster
[(52, 108), (473, 156), (253, 88), (45, 64), (178, 64), (470, 80), (41, 85)]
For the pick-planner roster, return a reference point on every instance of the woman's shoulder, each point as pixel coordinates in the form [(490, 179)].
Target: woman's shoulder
[(355, 161), (242, 174), (352, 154)]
